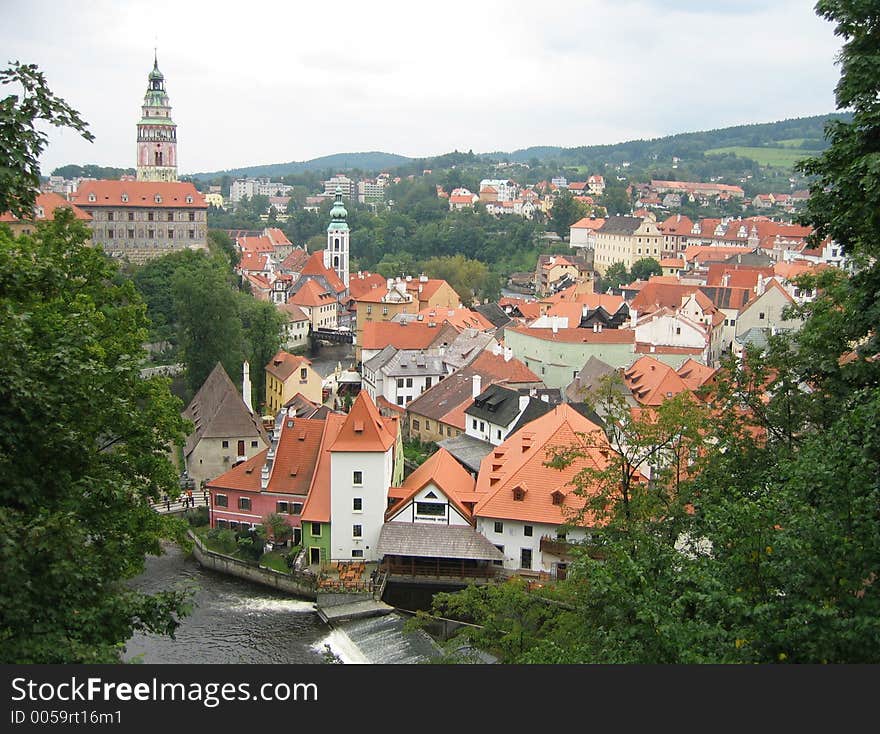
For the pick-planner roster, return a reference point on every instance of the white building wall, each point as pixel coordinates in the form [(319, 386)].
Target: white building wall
[(409, 513), (513, 538), (376, 469), (662, 331)]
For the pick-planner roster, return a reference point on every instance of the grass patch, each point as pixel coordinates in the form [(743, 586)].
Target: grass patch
[(275, 560), (417, 452), (775, 157)]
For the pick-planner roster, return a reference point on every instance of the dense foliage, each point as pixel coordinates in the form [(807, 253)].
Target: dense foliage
[(84, 447)]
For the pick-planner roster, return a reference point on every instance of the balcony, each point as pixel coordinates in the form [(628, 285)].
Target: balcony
[(555, 547)]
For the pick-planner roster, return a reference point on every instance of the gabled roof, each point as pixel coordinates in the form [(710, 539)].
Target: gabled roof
[(590, 223), (284, 364), (446, 474), (364, 429), (587, 379), (677, 224), (520, 463), (292, 312), (435, 541), (312, 294), (493, 313), (315, 266), (218, 411), (575, 335), (429, 287), (460, 318), (730, 298), (172, 194), (654, 296), (317, 504), (652, 381), (48, 202), (295, 261), (695, 374), (495, 366), (618, 225), (412, 363)]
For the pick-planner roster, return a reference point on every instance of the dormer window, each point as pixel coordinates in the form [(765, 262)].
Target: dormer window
[(189, 199), (557, 497), (519, 494), (124, 198), (92, 197), (158, 198)]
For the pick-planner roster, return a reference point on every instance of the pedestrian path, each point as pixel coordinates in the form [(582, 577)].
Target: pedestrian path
[(181, 504)]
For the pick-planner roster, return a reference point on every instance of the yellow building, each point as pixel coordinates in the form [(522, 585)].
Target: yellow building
[(287, 375)]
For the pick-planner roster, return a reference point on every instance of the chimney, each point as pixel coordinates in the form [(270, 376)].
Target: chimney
[(477, 386), (595, 327), (761, 286), (508, 354), (390, 283), (246, 386), (555, 324), (523, 403), (423, 278), (634, 316), (600, 328), (725, 280)]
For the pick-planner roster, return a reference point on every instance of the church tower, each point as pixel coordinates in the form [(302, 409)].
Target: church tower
[(157, 133), (336, 254)]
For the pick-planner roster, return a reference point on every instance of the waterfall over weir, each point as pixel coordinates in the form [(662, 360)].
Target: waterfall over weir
[(378, 640)]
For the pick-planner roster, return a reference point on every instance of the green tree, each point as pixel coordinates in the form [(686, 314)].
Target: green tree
[(21, 143), (645, 268), (615, 275), (565, 212), (208, 322), (261, 327), (84, 446)]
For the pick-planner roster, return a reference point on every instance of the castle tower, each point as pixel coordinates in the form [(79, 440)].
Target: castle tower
[(336, 253), (157, 133)]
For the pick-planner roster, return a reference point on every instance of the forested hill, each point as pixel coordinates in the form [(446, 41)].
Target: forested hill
[(799, 134), (370, 162), (777, 144)]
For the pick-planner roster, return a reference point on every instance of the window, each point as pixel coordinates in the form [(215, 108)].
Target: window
[(234, 525), (303, 374), (131, 234), (296, 508), (501, 549), (357, 504), (482, 426), (357, 553), (427, 425), (369, 310), (151, 233), (415, 425), (409, 381), (527, 531), (400, 382), (428, 382), (254, 444), (226, 444), (170, 216), (149, 216), (192, 216), (430, 508), (761, 315), (192, 234), (499, 526), (222, 524), (170, 234), (525, 558), (131, 216), (282, 507), (678, 330), (357, 478), (498, 433), (384, 310), (474, 424), (356, 531), (400, 399), (244, 503), (316, 530), (220, 500), (109, 216)]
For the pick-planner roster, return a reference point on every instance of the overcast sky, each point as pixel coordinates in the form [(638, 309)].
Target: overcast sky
[(269, 82)]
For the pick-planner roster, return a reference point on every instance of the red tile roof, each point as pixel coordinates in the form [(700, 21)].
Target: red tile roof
[(591, 223), (315, 266), (520, 463), (364, 429), (317, 505), (460, 318), (495, 366), (312, 294), (362, 283), (284, 364), (575, 335), (652, 381), (446, 473), (49, 202), (140, 194), (292, 312), (412, 335)]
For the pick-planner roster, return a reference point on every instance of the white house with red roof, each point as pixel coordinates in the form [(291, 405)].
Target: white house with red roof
[(362, 470), (529, 511)]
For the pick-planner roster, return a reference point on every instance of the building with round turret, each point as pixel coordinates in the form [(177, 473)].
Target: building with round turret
[(157, 133)]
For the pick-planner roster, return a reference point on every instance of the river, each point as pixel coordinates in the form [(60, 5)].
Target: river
[(234, 621)]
